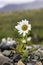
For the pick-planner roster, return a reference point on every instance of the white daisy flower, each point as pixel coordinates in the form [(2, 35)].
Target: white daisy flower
[(29, 38), (23, 27), (23, 41)]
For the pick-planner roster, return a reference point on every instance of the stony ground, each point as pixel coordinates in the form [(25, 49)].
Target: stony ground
[(10, 57)]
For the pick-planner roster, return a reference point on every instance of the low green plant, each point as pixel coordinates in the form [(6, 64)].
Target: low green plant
[(24, 28)]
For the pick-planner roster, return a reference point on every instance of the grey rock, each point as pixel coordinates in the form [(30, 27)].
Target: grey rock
[(7, 43), (5, 60), (16, 57), (6, 53), (30, 63), (6, 46), (39, 53), (36, 46), (32, 58)]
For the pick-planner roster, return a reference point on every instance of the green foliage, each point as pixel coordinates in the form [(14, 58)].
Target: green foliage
[(42, 43), (32, 49), (20, 46), (22, 51), (24, 55), (8, 20)]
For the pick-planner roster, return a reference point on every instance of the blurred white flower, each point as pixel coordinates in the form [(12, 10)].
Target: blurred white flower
[(29, 38), (3, 40), (28, 47), (23, 41), (23, 27), (10, 41)]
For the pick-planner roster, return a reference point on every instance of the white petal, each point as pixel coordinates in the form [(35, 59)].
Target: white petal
[(29, 27), (20, 32), (18, 27)]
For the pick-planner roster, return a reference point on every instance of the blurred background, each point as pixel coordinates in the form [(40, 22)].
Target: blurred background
[(12, 11)]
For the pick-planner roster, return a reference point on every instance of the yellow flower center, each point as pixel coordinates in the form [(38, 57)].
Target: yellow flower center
[(24, 27)]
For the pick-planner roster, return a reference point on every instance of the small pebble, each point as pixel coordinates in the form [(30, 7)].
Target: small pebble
[(38, 63)]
